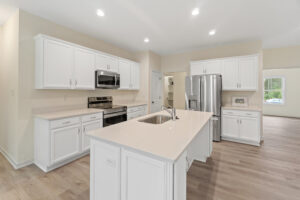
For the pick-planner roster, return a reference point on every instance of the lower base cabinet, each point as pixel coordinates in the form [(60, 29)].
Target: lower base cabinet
[(119, 173), (241, 126)]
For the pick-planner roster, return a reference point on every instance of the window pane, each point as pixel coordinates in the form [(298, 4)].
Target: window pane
[(274, 97), (266, 84), (276, 83)]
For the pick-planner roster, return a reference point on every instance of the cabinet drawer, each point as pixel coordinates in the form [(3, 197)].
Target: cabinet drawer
[(87, 118), (64, 122), (241, 113)]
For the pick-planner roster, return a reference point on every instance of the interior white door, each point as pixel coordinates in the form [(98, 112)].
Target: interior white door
[(86, 128), (64, 143), (249, 129), (248, 72), (84, 71), (135, 76), (58, 65), (156, 91), (125, 74), (230, 74), (230, 126)]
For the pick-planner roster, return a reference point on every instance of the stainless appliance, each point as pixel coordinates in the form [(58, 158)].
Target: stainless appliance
[(112, 114), (107, 80), (204, 93)]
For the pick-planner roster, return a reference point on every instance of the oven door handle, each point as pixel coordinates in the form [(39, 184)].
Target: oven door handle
[(115, 80), (114, 114)]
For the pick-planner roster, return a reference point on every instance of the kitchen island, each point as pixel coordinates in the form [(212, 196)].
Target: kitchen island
[(136, 160)]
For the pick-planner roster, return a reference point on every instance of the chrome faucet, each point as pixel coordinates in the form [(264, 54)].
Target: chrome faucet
[(171, 111)]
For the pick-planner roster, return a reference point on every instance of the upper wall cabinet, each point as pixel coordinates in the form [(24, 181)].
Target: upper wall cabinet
[(64, 65), (61, 65), (238, 73), (129, 75), (107, 63)]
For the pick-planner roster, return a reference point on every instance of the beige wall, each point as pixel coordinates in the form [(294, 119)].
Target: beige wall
[(281, 57), (9, 87), (180, 63), (24, 100), (291, 106)]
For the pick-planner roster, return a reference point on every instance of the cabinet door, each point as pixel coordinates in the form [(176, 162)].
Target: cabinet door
[(101, 62), (112, 64), (147, 174), (58, 65), (230, 74), (197, 68), (248, 72), (84, 71), (86, 128), (249, 128), (64, 143), (212, 67), (135, 76), (125, 74), (105, 171), (230, 126)]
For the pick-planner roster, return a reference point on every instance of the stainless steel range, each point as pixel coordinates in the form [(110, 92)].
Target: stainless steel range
[(112, 114)]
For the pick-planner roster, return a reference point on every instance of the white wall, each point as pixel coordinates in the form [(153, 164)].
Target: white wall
[(9, 43), (291, 107)]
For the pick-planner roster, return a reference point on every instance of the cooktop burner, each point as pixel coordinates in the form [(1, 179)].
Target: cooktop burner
[(105, 103)]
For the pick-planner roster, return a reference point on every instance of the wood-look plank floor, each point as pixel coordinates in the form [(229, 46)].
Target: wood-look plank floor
[(235, 171)]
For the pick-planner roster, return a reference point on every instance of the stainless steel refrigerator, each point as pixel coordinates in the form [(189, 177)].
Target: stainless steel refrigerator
[(204, 93)]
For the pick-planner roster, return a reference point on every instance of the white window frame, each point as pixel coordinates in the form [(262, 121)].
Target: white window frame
[(282, 90)]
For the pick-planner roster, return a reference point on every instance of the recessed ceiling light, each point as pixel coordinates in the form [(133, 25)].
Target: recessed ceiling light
[(195, 11), (212, 32), (146, 40), (100, 13)]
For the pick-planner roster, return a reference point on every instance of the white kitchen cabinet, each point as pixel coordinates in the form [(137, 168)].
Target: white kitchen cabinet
[(136, 111), (84, 69), (60, 141), (86, 127), (105, 171), (54, 61), (106, 63), (129, 75), (230, 74), (248, 72), (65, 143), (238, 73), (143, 177), (241, 126)]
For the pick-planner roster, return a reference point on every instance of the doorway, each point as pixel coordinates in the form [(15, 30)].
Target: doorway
[(156, 91), (174, 89)]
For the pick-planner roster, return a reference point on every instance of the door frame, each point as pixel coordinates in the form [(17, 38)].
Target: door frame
[(151, 86)]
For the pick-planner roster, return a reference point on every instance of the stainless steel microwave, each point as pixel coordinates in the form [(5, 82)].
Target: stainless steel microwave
[(107, 80)]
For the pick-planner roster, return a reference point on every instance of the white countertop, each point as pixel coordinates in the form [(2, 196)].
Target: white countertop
[(167, 140), (248, 108), (67, 113), (131, 104)]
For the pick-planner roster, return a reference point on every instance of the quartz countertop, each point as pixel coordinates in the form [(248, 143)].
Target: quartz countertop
[(167, 140), (67, 113), (248, 108), (131, 104)]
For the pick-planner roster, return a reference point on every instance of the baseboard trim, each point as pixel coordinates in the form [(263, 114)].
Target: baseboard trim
[(13, 163), (241, 141)]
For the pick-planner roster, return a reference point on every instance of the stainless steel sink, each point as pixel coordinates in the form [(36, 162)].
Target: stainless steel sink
[(157, 119)]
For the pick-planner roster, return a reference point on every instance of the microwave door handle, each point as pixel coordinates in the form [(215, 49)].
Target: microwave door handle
[(115, 80)]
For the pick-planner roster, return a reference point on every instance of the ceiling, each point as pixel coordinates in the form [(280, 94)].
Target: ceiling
[(169, 24)]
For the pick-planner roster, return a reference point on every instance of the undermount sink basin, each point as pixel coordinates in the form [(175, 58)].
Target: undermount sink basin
[(157, 119)]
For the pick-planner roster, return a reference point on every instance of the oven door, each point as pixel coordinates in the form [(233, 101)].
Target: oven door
[(105, 79), (114, 118)]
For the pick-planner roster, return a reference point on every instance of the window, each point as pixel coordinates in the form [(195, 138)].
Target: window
[(274, 90)]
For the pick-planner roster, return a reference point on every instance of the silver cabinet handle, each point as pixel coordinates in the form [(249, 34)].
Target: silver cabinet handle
[(238, 121), (237, 85), (70, 82), (67, 122), (75, 82)]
